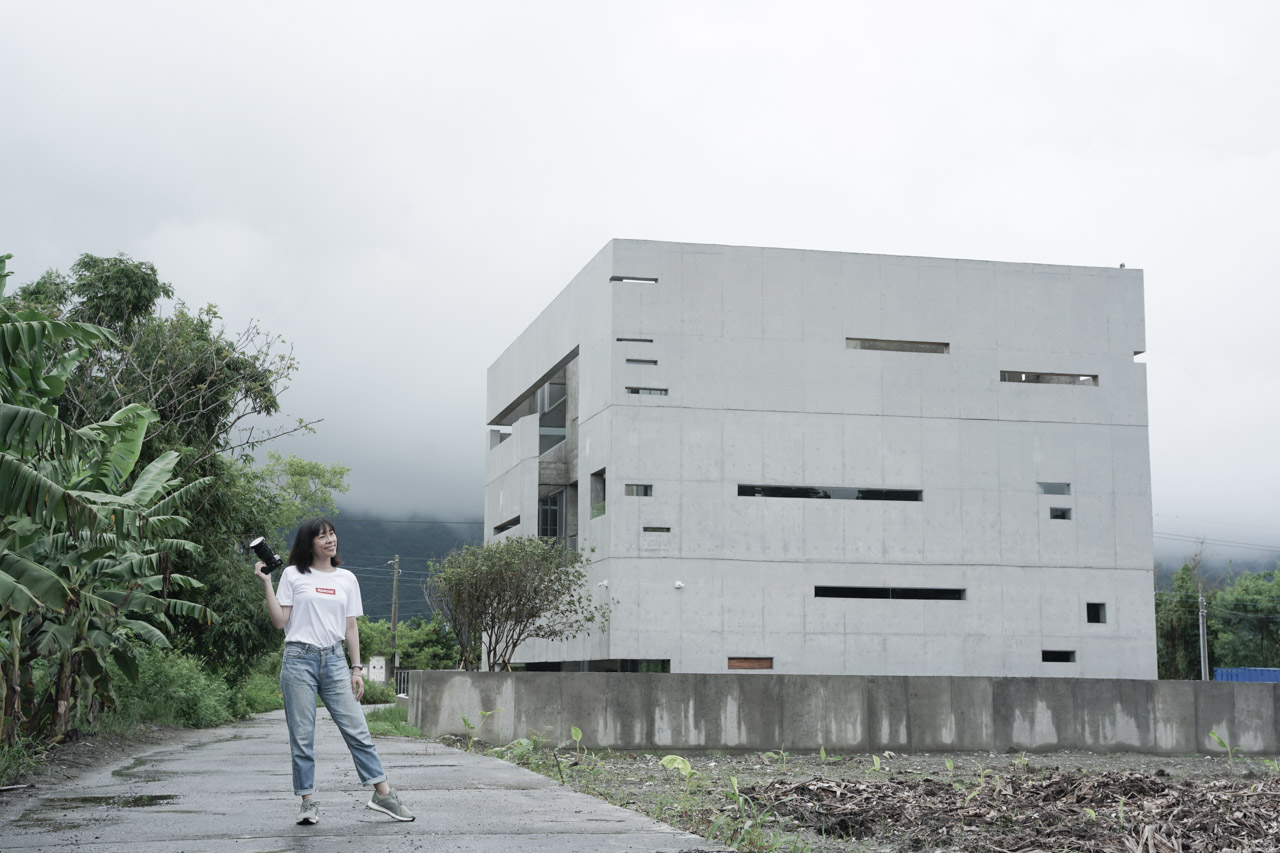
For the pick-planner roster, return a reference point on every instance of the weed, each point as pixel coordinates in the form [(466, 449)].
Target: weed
[(1231, 751), (578, 751), (19, 758), (680, 765), (781, 756), (471, 730), (824, 758), (744, 827), (391, 720)]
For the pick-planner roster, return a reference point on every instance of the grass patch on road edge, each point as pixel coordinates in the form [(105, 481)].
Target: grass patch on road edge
[(391, 720)]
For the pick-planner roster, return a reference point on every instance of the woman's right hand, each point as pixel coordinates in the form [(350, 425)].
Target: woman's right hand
[(257, 570)]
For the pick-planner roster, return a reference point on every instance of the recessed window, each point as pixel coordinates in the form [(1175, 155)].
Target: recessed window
[(506, 525), (834, 493), (633, 279), (1060, 513), (598, 493), (937, 347), (551, 515), (1048, 378), (1054, 488), (750, 663), (1096, 612), (1057, 656), (657, 530), (634, 340), (654, 392), (639, 490), (649, 361), (911, 593)]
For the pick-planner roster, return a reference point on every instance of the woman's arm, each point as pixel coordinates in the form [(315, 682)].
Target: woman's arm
[(279, 615), (353, 651)]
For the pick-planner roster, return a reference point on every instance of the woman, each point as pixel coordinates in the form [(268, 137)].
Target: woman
[(317, 604)]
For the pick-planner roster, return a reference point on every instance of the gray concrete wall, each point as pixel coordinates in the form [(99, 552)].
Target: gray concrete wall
[(850, 712), (751, 344)]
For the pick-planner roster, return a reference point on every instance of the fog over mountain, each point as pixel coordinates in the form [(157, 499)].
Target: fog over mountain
[(399, 188)]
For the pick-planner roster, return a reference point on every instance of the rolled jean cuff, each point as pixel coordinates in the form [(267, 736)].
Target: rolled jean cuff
[(376, 780)]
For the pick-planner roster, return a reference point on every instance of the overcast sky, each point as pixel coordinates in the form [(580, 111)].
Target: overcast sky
[(399, 188)]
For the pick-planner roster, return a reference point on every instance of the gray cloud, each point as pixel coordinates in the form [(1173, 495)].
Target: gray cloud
[(399, 189)]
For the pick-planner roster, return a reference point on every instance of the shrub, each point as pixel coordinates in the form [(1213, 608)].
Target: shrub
[(172, 689), (378, 694), (19, 758)]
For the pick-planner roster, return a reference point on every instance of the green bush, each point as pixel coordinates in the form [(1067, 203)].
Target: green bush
[(172, 689), (378, 694), (18, 759), (261, 693)]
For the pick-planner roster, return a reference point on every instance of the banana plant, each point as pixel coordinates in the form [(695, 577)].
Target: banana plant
[(84, 545)]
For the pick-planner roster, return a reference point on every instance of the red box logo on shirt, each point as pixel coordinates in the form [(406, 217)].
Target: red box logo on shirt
[(321, 589)]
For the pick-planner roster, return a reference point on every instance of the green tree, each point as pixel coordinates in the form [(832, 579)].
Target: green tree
[(1178, 623), (421, 644), (1244, 623), (497, 596), (210, 388), (84, 544)]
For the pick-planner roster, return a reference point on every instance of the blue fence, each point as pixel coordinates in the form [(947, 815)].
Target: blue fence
[(1246, 673)]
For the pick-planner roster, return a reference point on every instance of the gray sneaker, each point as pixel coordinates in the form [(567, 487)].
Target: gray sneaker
[(310, 812), (389, 804)]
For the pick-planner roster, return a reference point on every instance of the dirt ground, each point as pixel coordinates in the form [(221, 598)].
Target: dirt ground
[(892, 802), (1072, 801)]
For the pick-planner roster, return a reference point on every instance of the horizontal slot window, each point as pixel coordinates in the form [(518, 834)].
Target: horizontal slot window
[(834, 493), (657, 530), (1048, 378), (633, 279), (1054, 488), (936, 347), (1057, 656), (1060, 513), (652, 392), (911, 593), (750, 663), (652, 361), (634, 340), (507, 525), (639, 490)]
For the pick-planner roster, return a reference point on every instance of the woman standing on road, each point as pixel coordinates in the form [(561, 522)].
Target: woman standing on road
[(317, 604)]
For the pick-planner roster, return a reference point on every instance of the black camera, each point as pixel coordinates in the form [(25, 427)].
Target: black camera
[(260, 547)]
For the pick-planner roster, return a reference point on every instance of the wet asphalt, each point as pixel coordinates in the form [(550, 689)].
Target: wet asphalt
[(229, 789)]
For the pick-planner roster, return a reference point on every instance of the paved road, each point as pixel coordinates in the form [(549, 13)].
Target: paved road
[(229, 789)]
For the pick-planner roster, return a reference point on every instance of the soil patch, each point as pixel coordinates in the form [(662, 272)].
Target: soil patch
[(888, 803)]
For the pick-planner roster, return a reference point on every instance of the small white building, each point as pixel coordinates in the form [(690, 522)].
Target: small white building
[(822, 462)]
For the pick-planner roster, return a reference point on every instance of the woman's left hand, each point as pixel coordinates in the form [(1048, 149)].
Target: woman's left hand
[(357, 685)]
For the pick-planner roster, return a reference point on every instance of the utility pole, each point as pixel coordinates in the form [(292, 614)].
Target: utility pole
[(395, 612), (1203, 637)]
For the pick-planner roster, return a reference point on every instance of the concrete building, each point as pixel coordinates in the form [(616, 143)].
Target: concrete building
[(820, 462)]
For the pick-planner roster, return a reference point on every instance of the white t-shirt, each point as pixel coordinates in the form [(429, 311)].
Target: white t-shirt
[(321, 603)]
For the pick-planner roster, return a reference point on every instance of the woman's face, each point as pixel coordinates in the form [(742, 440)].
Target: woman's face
[(325, 544)]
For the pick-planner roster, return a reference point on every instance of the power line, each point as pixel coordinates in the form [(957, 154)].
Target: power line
[(402, 521), (1211, 521), (1180, 537)]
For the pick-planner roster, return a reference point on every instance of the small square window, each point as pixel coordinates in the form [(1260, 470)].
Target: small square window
[(1060, 513), (639, 490), (1096, 612)]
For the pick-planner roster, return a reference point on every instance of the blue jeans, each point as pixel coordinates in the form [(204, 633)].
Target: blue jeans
[(308, 671)]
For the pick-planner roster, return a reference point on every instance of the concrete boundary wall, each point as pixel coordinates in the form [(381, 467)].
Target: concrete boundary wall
[(849, 712)]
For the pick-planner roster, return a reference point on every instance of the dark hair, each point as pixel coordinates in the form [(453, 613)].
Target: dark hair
[(300, 555)]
